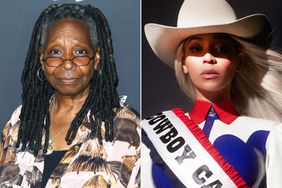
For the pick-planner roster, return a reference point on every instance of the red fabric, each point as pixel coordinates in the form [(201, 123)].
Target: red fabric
[(224, 110), (203, 140)]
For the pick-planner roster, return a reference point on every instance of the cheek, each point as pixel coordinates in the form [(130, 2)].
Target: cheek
[(228, 69), (193, 66), (87, 72), (48, 72)]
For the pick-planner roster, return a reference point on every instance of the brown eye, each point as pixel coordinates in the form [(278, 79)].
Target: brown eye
[(222, 49), (195, 49), (80, 52), (55, 52)]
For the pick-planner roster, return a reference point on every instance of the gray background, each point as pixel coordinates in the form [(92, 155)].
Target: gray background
[(17, 18), (160, 90)]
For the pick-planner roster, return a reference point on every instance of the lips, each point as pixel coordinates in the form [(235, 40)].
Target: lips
[(209, 74), (67, 81)]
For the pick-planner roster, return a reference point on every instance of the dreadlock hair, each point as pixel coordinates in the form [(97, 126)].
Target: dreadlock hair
[(102, 99)]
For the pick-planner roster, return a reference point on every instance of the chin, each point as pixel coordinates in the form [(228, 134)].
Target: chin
[(211, 87), (214, 88), (69, 91)]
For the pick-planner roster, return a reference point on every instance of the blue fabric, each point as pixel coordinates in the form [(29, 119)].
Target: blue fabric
[(240, 155), (160, 180), (163, 177), (258, 139), (209, 121), (243, 156)]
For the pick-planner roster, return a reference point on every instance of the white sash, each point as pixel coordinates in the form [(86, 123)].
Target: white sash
[(193, 160)]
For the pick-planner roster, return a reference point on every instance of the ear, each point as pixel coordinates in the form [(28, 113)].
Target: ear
[(182, 57), (185, 69), (97, 58), (41, 56)]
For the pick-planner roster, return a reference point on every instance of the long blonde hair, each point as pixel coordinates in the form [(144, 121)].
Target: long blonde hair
[(256, 89)]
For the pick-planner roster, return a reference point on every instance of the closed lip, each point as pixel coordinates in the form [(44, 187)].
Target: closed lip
[(67, 80), (209, 74)]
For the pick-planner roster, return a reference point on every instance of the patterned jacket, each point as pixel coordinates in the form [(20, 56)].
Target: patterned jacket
[(86, 164)]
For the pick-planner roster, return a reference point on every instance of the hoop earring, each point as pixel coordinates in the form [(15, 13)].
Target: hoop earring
[(40, 75), (99, 70)]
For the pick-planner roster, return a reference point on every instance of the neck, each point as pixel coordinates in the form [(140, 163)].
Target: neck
[(65, 102), (212, 97)]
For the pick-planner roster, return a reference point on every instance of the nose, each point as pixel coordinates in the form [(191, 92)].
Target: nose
[(209, 58), (68, 64)]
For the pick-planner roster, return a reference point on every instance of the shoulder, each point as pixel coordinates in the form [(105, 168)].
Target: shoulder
[(126, 121), (275, 135), (127, 125), (173, 111), (126, 112), (16, 115), (11, 128), (14, 120), (257, 122), (164, 115)]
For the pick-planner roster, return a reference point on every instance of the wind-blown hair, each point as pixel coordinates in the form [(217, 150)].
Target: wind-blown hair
[(102, 98), (256, 88)]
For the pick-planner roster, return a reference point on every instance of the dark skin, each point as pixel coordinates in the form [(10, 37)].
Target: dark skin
[(67, 38)]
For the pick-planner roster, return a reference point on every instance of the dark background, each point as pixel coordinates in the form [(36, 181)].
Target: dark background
[(17, 18), (160, 90)]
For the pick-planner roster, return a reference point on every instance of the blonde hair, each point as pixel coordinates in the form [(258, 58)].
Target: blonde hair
[(256, 89)]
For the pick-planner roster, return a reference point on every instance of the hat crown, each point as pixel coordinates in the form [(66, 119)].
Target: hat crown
[(195, 13)]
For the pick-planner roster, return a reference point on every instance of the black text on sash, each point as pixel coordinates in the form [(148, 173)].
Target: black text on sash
[(174, 142)]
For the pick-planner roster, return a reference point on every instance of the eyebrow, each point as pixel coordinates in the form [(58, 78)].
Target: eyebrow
[(192, 38), (223, 37), (215, 36)]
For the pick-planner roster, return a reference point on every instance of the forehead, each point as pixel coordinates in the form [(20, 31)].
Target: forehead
[(210, 37), (68, 27)]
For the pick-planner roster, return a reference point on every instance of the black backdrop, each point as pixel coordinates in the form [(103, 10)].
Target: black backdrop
[(159, 87)]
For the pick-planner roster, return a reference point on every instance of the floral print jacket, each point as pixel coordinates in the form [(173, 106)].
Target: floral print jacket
[(86, 164)]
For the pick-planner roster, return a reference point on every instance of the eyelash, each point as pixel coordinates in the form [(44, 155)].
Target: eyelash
[(84, 51), (55, 51), (222, 49), (75, 52), (195, 49)]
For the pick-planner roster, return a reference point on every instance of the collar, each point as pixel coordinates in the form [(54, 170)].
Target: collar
[(224, 110)]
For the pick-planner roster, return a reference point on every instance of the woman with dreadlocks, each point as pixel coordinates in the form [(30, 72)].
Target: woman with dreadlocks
[(65, 134)]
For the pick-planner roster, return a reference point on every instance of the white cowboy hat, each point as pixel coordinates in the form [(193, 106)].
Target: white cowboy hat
[(199, 17)]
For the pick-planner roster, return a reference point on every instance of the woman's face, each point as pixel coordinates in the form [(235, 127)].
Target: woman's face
[(67, 39), (211, 62)]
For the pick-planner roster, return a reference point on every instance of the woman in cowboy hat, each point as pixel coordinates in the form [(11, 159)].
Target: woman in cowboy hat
[(225, 65)]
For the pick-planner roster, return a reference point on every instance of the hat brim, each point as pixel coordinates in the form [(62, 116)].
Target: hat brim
[(164, 40)]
